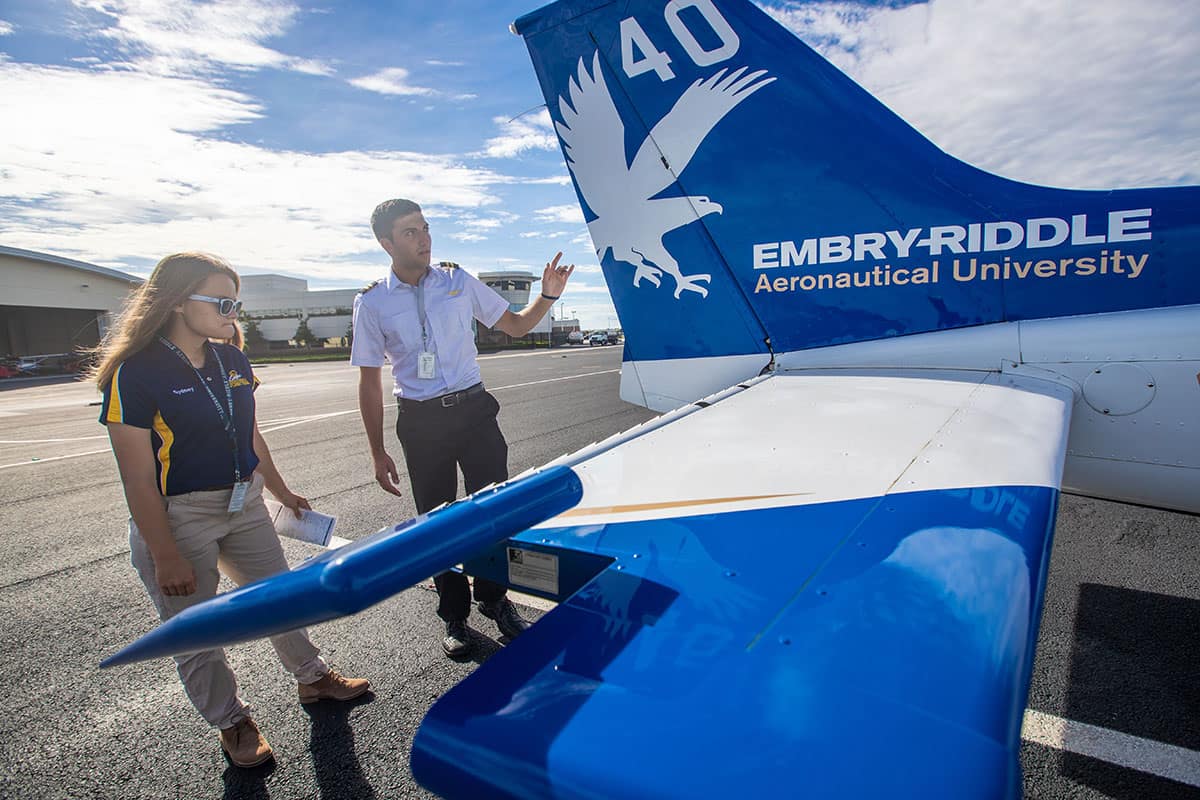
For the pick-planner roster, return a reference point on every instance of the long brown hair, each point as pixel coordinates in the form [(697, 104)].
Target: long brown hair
[(147, 314)]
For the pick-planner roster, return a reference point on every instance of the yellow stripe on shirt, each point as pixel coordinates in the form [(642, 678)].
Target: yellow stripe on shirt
[(164, 452), (114, 397)]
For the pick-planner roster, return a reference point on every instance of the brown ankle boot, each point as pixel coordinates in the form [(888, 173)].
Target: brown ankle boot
[(333, 686), (245, 745)]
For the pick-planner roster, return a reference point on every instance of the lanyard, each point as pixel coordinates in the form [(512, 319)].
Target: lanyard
[(226, 417), (421, 314)]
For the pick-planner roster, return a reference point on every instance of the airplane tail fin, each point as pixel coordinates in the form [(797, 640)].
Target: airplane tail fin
[(746, 198)]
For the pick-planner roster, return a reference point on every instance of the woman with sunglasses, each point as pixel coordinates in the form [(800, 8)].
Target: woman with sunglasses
[(179, 406)]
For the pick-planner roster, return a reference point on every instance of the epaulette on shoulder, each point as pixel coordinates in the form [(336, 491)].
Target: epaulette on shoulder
[(370, 286), (447, 265)]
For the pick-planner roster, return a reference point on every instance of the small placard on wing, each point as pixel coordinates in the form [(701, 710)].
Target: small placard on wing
[(533, 570)]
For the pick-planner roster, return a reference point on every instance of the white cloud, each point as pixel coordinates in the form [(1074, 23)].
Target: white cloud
[(434, 62), (310, 66), (169, 37), (1091, 96), (557, 180), (483, 224), (393, 80), (148, 175), (565, 213), (473, 228), (528, 132), (6, 28), (545, 235)]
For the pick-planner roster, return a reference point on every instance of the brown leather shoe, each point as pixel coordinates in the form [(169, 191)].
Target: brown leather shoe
[(245, 745), (333, 686)]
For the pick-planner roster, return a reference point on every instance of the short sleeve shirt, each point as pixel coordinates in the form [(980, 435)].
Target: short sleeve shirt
[(157, 390), (387, 324)]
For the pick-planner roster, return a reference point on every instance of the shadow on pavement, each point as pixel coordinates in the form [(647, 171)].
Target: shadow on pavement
[(335, 760), (1133, 670), (247, 784)]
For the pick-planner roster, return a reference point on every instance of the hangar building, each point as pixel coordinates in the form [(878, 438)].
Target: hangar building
[(50, 304)]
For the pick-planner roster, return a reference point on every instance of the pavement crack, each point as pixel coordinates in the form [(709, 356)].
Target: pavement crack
[(64, 570)]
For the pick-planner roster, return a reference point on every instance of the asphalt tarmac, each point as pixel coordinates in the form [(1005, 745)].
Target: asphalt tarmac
[(1122, 610)]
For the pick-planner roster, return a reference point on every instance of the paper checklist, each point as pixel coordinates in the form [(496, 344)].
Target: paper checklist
[(312, 527)]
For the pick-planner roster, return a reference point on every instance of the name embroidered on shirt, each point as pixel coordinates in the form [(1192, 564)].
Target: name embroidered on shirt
[(183, 391)]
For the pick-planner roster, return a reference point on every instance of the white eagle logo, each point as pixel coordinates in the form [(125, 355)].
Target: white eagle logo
[(628, 222)]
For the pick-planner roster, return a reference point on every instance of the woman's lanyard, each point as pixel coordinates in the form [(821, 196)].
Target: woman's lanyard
[(238, 497)]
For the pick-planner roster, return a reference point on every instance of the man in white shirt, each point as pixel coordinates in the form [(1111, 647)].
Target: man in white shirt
[(419, 317)]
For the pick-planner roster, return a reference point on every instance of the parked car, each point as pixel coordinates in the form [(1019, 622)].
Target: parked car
[(614, 337), (50, 364), (575, 337), (598, 337)]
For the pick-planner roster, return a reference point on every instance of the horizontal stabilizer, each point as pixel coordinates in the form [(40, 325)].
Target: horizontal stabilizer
[(361, 574)]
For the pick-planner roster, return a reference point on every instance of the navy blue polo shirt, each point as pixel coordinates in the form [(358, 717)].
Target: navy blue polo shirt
[(158, 390)]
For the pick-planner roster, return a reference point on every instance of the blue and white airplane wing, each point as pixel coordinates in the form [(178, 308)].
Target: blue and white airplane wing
[(819, 584)]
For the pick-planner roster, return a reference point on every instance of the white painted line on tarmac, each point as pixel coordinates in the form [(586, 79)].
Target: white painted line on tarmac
[(52, 441), (300, 421), (1144, 755), (554, 352), (34, 461), (553, 380), (294, 421)]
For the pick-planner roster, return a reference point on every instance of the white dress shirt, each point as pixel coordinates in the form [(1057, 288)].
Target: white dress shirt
[(387, 323)]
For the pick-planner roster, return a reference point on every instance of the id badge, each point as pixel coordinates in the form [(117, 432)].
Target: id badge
[(237, 497), (426, 365)]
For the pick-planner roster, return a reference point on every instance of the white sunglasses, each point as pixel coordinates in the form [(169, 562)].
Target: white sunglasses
[(226, 306)]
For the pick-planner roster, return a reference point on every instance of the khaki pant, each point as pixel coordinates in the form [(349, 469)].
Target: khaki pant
[(245, 547)]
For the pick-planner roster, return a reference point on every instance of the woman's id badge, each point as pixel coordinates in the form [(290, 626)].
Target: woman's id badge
[(237, 498), (426, 365)]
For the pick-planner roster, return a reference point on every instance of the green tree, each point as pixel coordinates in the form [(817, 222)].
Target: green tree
[(254, 339), (304, 335)]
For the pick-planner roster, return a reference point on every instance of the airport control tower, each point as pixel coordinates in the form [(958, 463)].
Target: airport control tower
[(514, 286)]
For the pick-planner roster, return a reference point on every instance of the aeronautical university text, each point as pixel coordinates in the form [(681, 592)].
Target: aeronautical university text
[(1130, 225), (979, 237), (961, 270)]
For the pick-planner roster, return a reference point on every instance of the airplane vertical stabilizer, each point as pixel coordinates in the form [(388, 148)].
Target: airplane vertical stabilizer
[(746, 198)]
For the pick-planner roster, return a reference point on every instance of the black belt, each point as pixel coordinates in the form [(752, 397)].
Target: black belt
[(444, 401)]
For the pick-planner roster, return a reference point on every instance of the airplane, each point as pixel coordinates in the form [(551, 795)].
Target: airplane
[(820, 572)]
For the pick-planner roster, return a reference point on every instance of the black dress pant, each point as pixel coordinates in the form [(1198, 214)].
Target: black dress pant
[(437, 442)]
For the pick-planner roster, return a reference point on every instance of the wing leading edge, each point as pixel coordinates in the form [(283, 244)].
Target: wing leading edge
[(363, 573), (824, 581)]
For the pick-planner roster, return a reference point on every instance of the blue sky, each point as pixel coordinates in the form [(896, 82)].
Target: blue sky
[(266, 130)]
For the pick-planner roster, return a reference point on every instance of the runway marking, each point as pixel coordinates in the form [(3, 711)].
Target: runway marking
[(552, 380), (301, 420), (52, 441), (289, 423), (1144, 755), (564, 354), (53, 458)]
